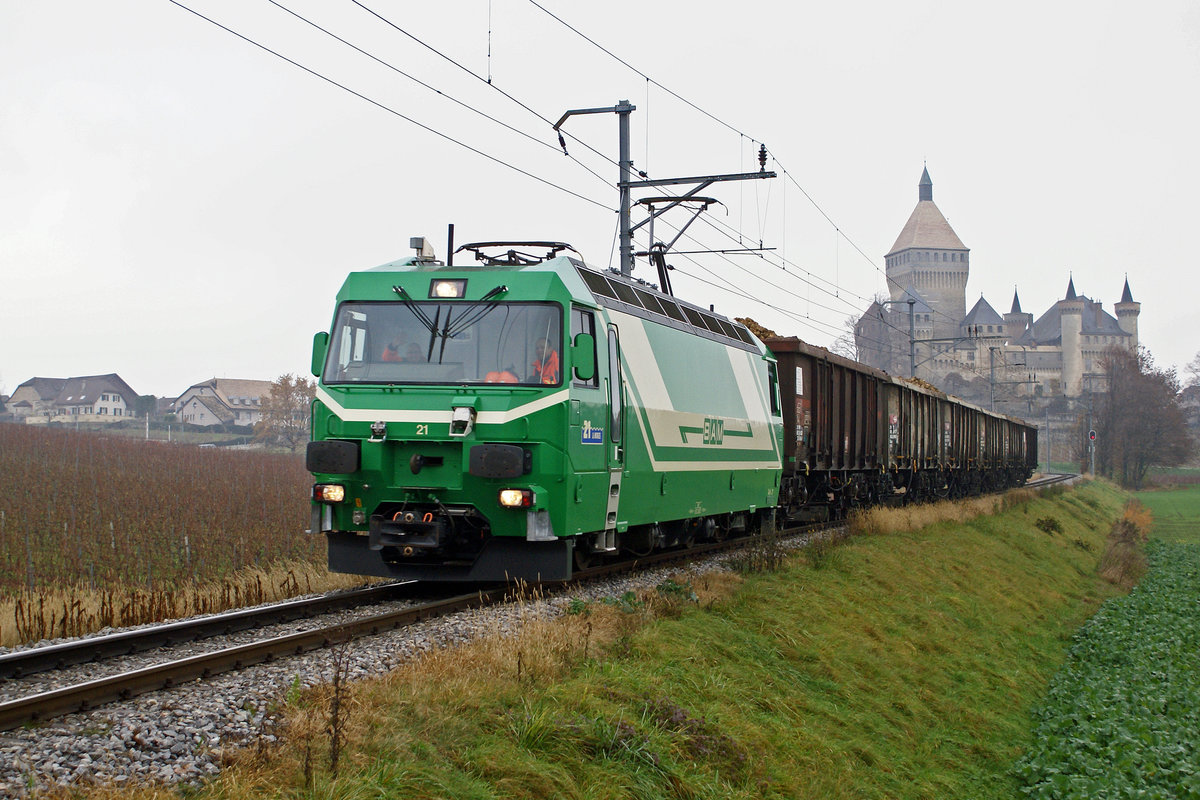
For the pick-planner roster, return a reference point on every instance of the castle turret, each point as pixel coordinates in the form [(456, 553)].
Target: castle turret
[(1127, 315), (1071, 310), (1016, 322), (929, 257)]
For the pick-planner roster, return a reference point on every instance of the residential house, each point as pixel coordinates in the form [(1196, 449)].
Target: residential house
[(222, 401), (35, 397), (88, 398)]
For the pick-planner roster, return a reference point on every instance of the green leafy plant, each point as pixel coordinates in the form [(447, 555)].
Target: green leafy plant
[(1122, 718)]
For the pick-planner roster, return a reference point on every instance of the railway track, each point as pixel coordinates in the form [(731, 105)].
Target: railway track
[(1050, 480), (91, 694)]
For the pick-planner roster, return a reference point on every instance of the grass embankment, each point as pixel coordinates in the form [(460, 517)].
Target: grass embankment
[(895, 665)]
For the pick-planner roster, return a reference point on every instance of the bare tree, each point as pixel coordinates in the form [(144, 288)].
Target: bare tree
[(1193, 371), (286, 412), (847, 344), (1137, 418)]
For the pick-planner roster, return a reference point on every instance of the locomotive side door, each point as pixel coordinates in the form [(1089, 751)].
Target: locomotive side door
[(616, 443)]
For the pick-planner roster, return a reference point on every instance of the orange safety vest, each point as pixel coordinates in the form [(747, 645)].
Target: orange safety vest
[(547, 373)]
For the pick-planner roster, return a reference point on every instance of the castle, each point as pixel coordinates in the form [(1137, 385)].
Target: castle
[(925, 330)]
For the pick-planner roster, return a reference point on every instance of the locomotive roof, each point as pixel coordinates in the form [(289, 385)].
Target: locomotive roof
[(611, 290)]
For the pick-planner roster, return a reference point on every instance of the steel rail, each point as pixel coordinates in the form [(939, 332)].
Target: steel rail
[(21, 663), (93, 694), (1050, 480)]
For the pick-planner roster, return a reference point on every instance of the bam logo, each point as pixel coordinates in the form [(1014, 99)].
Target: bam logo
[(592, 435), (714, 430)]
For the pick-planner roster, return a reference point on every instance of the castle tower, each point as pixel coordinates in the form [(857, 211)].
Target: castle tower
[(1071, 310), (929, 256), (1127, 315), (1015, 321)]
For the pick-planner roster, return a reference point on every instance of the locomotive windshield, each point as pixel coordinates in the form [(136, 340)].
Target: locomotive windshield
[(446, 343)]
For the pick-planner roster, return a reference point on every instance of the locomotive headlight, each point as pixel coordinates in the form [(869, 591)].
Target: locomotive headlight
[(329, 492), (446, 288), (516, 498)]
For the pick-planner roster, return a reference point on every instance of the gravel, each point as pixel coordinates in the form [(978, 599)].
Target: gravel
[(184, 734)]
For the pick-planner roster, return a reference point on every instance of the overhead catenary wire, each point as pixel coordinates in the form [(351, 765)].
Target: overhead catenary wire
[(533, 111), (391, 110), (733, 128), (732, 233), (411, 77), (475, 75), (434, 89)]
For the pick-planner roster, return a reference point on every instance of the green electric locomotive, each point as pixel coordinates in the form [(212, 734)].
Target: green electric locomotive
[(522, 417)]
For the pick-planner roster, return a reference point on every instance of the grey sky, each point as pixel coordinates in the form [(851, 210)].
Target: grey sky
[(178, 204)]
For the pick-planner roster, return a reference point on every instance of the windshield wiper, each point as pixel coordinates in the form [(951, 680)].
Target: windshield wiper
[(429, 324), (478, 312)]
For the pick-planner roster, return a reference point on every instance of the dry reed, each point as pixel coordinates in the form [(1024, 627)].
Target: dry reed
[(78, 610), (1124, 563), (882, 520)]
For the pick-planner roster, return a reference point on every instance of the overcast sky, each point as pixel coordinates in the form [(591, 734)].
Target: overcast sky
[(178, 204)]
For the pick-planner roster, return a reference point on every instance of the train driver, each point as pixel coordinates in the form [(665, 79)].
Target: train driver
[(545, 368), (391, 351)]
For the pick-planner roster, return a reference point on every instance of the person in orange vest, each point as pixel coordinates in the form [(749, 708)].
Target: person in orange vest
[(391, 352), (545, 369)]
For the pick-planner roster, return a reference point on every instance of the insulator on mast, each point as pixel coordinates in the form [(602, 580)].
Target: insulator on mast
[(762, 158)]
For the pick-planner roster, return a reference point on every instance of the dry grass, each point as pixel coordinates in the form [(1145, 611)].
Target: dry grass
[(79, 610), (1124, 562), (881, 521)]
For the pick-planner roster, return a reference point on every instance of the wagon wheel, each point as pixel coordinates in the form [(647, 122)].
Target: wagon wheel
[(583, 556)]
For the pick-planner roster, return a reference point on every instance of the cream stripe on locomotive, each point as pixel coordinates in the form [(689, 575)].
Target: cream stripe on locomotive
[(744, 428), (435, 416)]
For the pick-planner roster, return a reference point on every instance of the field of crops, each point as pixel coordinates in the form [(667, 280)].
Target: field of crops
[(1122, 719), (113, 530), (85, 508)]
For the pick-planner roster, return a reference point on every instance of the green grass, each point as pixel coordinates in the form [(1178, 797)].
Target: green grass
[(904, 667), (1176, 513)]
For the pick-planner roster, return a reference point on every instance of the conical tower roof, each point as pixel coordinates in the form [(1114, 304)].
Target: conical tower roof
[(1071, 289), (1126, 296), (1016, 306), (927, 227), (981, 314)]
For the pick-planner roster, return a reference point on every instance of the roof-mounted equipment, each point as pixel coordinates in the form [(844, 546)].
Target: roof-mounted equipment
[(510, 256)]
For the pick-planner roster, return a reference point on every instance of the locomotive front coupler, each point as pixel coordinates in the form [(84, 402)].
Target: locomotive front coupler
[(411, 532)]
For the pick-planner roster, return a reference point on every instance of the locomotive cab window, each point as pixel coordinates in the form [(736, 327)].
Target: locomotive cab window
[(584, 321), (773, 388), (614, 386), (446, 343)]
